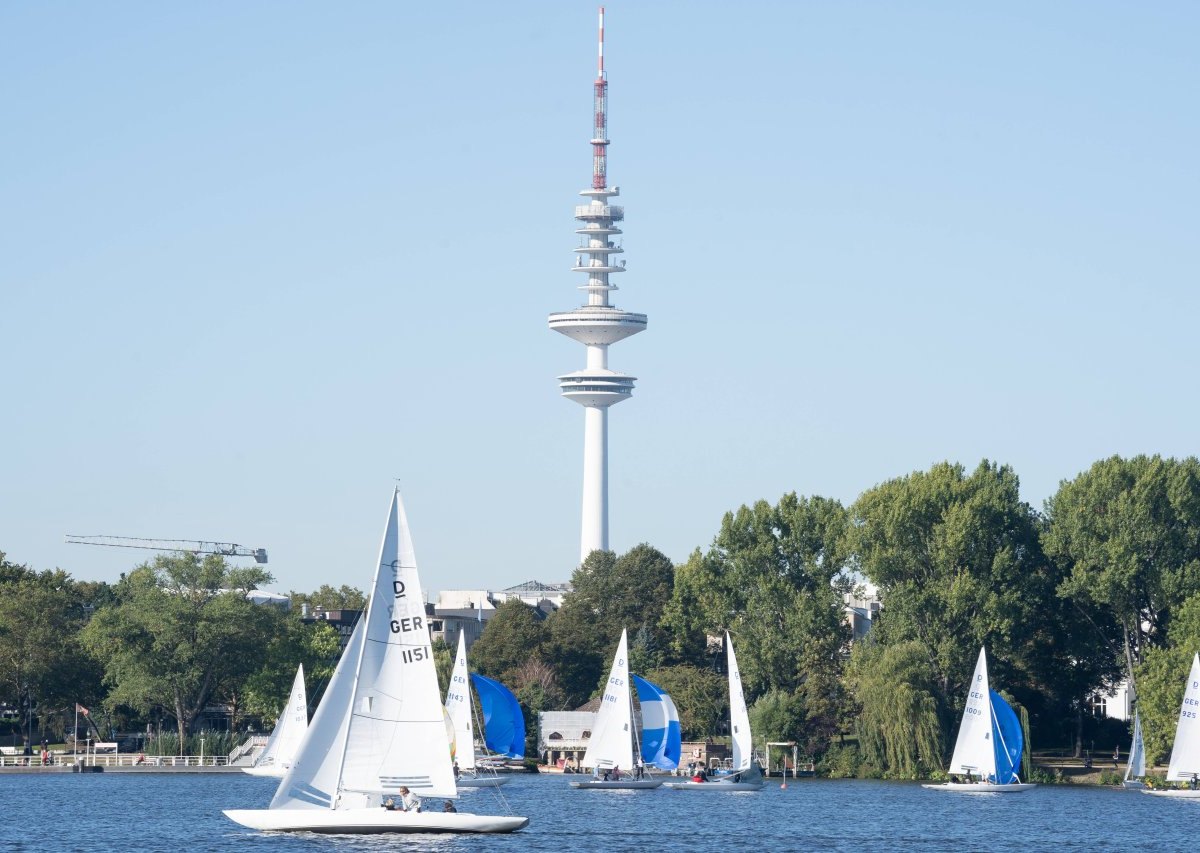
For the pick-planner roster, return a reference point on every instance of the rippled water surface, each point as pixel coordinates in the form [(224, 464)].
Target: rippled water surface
[(182, 813)]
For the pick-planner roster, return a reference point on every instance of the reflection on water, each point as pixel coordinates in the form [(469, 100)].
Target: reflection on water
[(182, 814)]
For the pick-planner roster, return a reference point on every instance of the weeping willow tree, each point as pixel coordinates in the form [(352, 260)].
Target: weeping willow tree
[(899, 728)]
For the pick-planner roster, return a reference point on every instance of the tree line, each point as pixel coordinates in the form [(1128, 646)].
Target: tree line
[(1101, 584)]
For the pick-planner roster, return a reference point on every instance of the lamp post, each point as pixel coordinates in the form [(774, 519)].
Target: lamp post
[(201, 750)]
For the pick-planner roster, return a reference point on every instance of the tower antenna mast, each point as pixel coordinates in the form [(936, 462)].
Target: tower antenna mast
[(600, 129)]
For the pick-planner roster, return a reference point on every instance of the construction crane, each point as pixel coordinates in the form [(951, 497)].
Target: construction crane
[(225, 549)]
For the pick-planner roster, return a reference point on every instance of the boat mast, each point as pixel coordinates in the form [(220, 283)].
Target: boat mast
[(375, 599)]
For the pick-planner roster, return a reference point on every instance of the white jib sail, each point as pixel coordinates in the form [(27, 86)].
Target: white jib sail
[(312, 781), (458, 706), (397, 730), (289, 728), (611, 744), (1185, 755), (739, 717), (974, 751), (1137, 752)]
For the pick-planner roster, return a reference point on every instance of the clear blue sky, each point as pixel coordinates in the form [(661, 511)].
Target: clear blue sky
[(260, 260)]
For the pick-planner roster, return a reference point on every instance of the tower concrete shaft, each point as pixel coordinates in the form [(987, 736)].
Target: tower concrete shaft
[(597, 324)]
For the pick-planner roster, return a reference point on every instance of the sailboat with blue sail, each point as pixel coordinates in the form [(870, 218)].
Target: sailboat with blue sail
[(661, 738), (610, 751), (990, 742), (503, 724)]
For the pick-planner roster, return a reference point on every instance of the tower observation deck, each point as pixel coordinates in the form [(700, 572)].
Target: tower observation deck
[(597, 324)]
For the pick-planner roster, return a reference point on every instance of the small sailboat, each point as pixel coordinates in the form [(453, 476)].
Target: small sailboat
[(746, 775), (661, 737), (285, 738), (381, 724), (610, 750), (1185, 754), (1137, 756), (504, 725), (990, 742)]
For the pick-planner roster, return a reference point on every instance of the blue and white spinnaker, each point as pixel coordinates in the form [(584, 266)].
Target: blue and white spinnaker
[(660, 726)]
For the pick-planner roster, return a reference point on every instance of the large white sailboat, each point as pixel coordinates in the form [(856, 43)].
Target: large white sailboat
[(381, 724), (1185, 754), (285, 739), (746, 775), (990, 742), (469, 773), (611, 747)]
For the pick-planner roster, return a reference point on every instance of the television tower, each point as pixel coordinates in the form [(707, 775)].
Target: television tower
[(597, 324)]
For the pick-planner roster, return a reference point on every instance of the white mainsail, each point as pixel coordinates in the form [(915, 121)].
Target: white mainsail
[(974, 751), (611, 744), (1185, 755), (312, 781), (739, 717), (1137, 751), (289, 729), (382, 727), (458, 706)]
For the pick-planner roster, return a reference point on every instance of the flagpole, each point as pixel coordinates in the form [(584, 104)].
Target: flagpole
[(75, 736)]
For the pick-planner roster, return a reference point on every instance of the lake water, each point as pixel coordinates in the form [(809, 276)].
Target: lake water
[(97, 813)]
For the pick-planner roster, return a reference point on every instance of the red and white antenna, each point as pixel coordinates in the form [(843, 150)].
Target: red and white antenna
[(600, 128)]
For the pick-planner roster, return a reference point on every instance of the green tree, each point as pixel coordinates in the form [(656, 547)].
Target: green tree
[(701, 697), (610, 594), (515, 634), (315, 645), (43, 669), (330, 598), (1127, 532), (182, 631), (899, 726), (775, 578)]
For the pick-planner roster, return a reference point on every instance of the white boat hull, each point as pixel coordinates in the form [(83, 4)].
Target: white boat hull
[(982, 787), (484, 782), (275, 772), (1177, 793), (370, 821), (619, 785), (714, 786)]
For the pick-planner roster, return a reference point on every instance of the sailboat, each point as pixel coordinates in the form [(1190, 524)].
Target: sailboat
[(746, 775), (285, 738), (504, 725), (1137, 756), (661, 737), (610, 748), (381, 724), (1185, 754), (990, 741)]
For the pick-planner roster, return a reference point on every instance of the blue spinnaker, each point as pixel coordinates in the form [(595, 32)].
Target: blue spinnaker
[(503, 722), (660, 726), (1008, 740)]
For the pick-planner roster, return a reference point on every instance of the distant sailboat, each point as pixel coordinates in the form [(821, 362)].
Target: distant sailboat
[(285, 738), (990, 741), (1185, 754), (746, 775), (610, 749), (381, 724), (504, 724), (1137, 756)]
